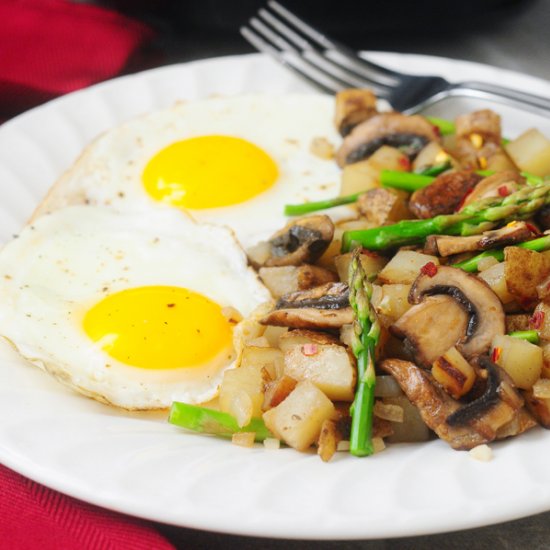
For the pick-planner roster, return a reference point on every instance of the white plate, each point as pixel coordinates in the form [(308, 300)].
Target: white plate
[(138, 464)]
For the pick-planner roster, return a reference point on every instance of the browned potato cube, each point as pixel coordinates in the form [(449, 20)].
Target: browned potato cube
[(454, 373), (520, 359), (329, 367), (524, 270), (372, 263), (298, 419), (277, 391), (300, 337), (282, 280), (405, 267), (380, 206)]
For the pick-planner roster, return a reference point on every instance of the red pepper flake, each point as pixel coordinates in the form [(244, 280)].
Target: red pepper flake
[(461, 203), (405, 163), (533, 228), (429, 269), (437, 130), (310, 349), (495, 355), (369, 253), (503, 191), (537, 320)]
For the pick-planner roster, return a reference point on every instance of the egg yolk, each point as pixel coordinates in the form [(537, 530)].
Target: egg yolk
[(209, 171), (159, 327)]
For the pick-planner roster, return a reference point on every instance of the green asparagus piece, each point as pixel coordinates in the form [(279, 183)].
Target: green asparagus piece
[(209, 421), (435, 170), (365, 338), (529, 335), (538, 245), (407, 181), (306, 208), (475, 218), (389, 178), (446, 127)]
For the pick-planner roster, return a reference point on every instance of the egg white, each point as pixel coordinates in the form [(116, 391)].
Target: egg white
[(109, 172), (67, 261)]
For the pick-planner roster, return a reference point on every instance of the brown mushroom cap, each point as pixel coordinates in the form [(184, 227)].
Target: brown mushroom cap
[(393, 129), (486, 315), (301, 241)]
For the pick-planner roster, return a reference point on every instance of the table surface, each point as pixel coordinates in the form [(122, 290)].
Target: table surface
[(522, 44)]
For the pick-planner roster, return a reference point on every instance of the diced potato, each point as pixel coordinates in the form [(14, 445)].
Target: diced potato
[(358, 178), (495, 278), (261, 357), (242, 393), (372, 263), (524, 270), (301, 337), (394, 302), (334, 248), (330, 367), (541, 388), (380, 206), (277, 391), (405, 267), (260, 342), (259, 253), (454, 373), (412, 428), (328, 440), (486, 263), (364, 175), (519, 358), (388, 411), (299, 418), (273, 334), (499, 161), (282, 280), (545, 360), (389, 158), (540, 320), (243, 439), (531, 152)]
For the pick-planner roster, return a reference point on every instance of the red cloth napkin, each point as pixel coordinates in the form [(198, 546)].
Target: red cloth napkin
[(35, 517), (51, 47)]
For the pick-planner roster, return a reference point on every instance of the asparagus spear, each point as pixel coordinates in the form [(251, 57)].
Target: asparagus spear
[(389, 178), (475, 218), (471, 265), (529, 335), (365, 337), (201, 419)]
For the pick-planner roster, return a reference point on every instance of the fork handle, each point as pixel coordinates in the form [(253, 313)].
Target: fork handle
[(508, 96)]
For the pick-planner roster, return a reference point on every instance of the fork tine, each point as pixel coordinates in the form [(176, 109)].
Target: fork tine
[(328, 44), (294, 62), (348, 77)]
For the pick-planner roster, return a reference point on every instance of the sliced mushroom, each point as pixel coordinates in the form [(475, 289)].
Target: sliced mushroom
[(501, 183), (326, 306), (301, 241), (485, 122), (484, 309), (444, 195), (462, 426), (447, 245), (431, 328), (408, 133), (353, 106), (478, 142)]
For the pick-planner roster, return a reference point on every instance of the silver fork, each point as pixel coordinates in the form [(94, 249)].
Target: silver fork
[(332, 66)]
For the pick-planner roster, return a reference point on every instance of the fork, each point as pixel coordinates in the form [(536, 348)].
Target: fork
[(332, 66)]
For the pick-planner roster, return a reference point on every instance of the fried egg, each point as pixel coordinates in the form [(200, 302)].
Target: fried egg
[(136, 309), (234, 161)]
